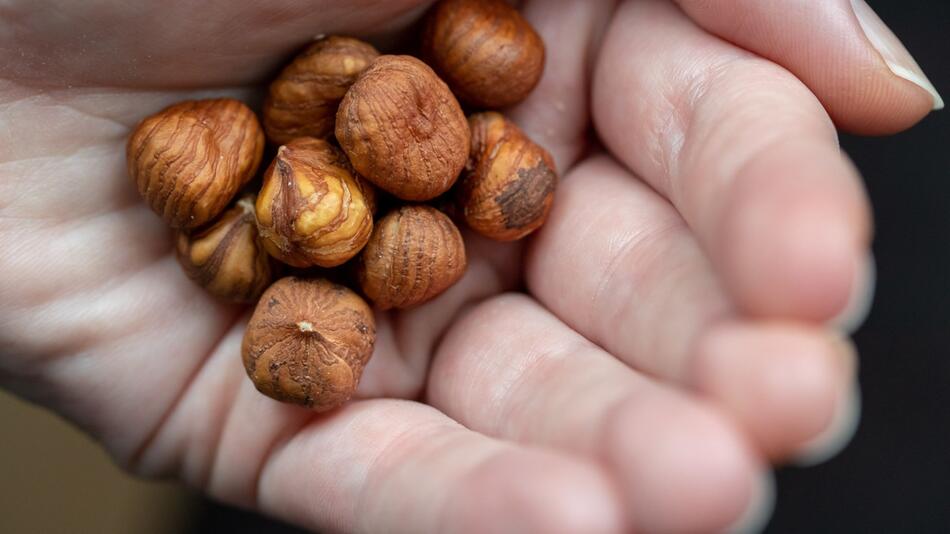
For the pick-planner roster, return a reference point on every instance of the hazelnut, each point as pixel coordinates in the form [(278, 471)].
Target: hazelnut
[(303, 100), (308, 341), (485, 50), (190, 159), (415, 253), (508, 185), (402, 129), (312, 208), (227, 258)]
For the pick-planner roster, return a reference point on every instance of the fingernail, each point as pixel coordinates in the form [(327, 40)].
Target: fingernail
[(759, 511), (862, 297), (836, 437), (895, 55)]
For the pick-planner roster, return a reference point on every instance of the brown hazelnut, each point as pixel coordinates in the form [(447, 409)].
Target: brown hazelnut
[(402, 129), (415, 253), (308, 342), (508, 185), (190, 159), (303, 100), (227, 258), (312, 208), (485, 50)]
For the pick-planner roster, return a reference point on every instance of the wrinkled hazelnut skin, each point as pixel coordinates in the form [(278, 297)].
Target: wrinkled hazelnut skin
[(190, 159), (303, 100), (415, 254), (312, 208), (402, 129), (226, 257), (508, 185), (485, 50), (308, 342)]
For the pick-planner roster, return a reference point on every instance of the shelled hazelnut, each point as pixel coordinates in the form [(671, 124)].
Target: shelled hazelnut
[(308, 342), (227, 257), (485, 50), (414, 254), (402, 129), (303, 100), (190, 159), (508, 185), (345, 120), (313, 209)]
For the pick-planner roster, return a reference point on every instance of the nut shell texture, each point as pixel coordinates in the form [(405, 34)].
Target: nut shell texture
[(402, 129), (303, 100), (226, 257), (190, 159), (508, 187), (415, 253), (308, 342), (312, 208), (485, 50)]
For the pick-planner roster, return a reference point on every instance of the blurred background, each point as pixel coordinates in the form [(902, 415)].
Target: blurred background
[(894, 477)]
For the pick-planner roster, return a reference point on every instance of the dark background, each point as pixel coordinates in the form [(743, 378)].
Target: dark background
[(895, 475)]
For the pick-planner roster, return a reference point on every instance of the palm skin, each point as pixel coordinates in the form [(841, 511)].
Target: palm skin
[(625, 387)]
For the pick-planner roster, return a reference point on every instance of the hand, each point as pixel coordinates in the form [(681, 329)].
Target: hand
[(673, 340)]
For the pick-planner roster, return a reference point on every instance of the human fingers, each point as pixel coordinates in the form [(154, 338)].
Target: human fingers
[(747, 155), (617, 263), (372, 466), (840, 49), (511, 370)]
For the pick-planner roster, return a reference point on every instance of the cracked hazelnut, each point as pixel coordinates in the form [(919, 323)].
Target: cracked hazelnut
[(414, 254), (303, 100), (313, 209), (508, 185), (226, 258), (485, 50), (190, 159), (402, 129), (308, 342)]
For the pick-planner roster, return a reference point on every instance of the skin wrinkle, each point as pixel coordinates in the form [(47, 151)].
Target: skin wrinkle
[(384, 454), (59, 98), (390, 455), (120, 278), (729, 131), (161, 263), (11, 196), (505, 401), (207, 461), (133, 462), (272, 453), (72, 288), (681, 358), (91, 425), (672, 135), (630, 246)]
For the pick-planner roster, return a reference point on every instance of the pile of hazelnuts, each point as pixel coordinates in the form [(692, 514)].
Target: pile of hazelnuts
[(374, 159)]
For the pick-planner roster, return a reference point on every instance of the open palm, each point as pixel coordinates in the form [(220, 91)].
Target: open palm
[(670, 342)]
